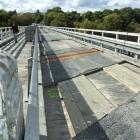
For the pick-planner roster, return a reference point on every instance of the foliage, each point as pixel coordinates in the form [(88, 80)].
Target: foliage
[(38, 17), (125, 19), (22, 19), (112, 21)]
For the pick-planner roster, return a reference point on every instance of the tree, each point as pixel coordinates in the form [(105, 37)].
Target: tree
[(38, 17), (107, 12), (4, 16), (127, 16), (87, 15), (56, 10), (96, 15), (98, 24), (60, 19), (137, 28), (112, 22), (125, 19), (73, 17), (51, 14), (56, 17), (86, 24), (137, 15)]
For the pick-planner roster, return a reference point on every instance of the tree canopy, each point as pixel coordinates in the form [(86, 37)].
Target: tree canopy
[(125, 19)]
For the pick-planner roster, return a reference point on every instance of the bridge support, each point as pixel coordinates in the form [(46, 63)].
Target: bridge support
[(11, 99)]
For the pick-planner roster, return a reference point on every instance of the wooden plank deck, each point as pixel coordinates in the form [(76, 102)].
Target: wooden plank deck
[(76, 117), (84, 102), (125, 76)]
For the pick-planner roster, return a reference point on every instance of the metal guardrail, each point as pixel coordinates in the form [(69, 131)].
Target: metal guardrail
[(6, 32), (104, 33), (120, 46), (32, 123)]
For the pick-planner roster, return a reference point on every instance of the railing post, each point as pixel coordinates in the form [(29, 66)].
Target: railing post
[(136, 56), (117, 36), (138, 39), (0, 34), (102, 34), (116, 50)]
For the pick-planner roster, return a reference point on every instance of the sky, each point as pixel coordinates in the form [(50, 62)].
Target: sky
[(66, 5)]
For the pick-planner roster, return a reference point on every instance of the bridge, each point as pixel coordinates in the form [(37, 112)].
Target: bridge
[(61, 83)]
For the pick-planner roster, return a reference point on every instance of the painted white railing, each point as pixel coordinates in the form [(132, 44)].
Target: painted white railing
[(116, 35), (103, 33), (6, 32), (123, 42)]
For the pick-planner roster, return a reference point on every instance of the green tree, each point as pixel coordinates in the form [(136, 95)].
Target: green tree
[(137, 15), (98, 24), (87, 15), (96, 15), (38, 16), (127, 16), (112, 22), (73, 17), (107, 12), (60, 19), (4, 16), (137, 28), (86, 24)]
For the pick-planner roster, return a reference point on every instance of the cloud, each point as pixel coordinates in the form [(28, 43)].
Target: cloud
[(23, 5), (67, 5)]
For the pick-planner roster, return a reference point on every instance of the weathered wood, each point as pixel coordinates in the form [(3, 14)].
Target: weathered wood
[(116, 92), (81, 103), (125, 76), (76, 117), (86, 99), (99, 105)]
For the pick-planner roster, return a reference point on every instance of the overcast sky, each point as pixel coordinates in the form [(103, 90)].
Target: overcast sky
[(66, 5)]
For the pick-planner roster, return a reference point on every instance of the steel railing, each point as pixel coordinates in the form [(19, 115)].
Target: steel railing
[(120, 46), (32, 123), (6, 32), (120, 36)]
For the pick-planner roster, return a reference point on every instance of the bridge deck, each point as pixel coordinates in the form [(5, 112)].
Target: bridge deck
[(88, 93), (79, 74)]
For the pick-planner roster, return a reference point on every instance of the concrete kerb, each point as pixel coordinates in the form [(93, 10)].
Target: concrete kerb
[(11, 109), (42, 117)]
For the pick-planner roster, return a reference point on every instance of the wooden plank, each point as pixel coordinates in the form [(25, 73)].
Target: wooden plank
[(56, 121), (72, 55), (132, 67), (125, 76), (85, 110), (116, 92), (98, 104), (76, 117)]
